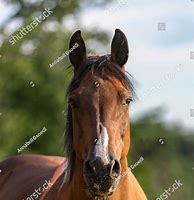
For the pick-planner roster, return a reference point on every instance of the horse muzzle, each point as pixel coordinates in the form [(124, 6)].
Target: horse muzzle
[(101, 177)]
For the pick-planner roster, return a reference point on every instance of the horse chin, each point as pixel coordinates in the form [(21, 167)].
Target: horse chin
[(101, 191), (100, 195)]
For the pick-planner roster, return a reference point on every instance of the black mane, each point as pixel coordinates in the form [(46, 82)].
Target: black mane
[(104, 67)]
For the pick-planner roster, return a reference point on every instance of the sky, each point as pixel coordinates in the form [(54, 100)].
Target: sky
[(160, 60)]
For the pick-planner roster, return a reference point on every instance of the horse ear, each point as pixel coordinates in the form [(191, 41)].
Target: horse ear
[(119, 48), (77, 50)]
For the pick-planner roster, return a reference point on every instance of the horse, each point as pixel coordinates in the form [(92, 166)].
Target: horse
[(97, 136)]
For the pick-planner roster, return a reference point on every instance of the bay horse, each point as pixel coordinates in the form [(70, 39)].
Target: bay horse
[(97, 137)]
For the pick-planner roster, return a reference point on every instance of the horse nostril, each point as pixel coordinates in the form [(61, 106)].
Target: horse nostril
[(115, 169), (90, 168)]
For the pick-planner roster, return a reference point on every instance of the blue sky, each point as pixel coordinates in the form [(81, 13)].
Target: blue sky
[(159, 60)]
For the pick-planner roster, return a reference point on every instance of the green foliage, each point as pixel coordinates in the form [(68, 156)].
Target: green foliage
[(25, 110), (167, 153)]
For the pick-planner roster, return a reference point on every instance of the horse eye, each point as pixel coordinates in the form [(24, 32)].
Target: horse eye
[(72, 103), (127, 101)]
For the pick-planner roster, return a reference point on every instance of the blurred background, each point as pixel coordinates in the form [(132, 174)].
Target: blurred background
[(160, 35)]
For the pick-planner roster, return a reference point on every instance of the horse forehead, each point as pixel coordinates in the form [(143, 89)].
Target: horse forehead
[(93, 83)]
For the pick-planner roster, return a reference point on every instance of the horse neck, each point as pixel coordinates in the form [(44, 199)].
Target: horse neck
[(77, 186)]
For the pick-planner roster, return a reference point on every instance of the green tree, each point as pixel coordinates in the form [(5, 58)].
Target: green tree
[(32, 94)]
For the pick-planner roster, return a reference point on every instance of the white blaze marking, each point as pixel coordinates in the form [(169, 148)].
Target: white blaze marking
[(101, 147)]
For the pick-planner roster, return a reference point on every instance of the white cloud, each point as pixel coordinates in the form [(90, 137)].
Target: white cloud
[(6, 12)]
